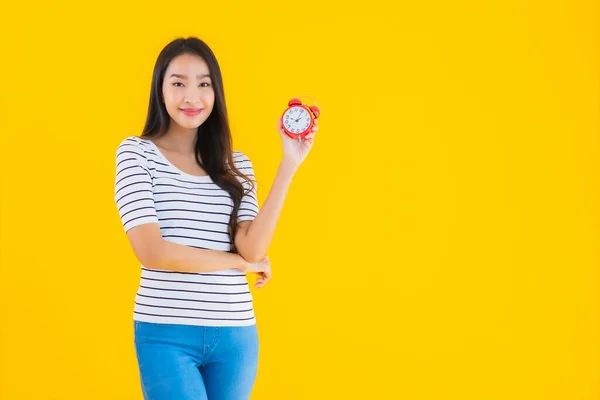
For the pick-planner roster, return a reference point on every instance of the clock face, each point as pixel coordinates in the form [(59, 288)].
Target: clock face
[(296, 119)]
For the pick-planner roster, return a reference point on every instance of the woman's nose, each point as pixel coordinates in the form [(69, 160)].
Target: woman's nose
[(192, 96)]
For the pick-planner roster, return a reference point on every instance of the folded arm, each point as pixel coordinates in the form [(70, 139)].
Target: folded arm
[(253, 238)]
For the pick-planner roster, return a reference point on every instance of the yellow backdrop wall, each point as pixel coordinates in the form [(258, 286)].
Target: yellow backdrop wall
[(440, 241)]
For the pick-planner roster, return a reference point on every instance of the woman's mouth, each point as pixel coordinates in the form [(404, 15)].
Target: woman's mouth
[(191, 112)]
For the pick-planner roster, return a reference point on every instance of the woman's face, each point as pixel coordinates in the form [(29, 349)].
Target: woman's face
[(187, 89)]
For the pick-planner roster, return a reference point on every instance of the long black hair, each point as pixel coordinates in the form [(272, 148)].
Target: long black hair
[(214, 143)]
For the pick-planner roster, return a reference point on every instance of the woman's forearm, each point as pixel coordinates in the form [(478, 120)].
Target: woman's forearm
[(176, 257), (259, 235)]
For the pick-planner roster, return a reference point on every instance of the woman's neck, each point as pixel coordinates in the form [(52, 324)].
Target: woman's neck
[(179, 140)]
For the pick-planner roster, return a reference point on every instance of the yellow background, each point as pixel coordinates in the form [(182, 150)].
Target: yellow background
[(441, 240)]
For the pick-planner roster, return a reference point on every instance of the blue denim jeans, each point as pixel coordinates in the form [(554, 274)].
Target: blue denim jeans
[(185, 362)]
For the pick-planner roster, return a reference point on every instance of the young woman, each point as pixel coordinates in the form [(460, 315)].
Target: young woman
[(187, 202)]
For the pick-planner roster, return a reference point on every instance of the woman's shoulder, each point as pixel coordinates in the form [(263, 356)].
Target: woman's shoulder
[(133, 141), (134, 144), (243, 163), (239, 158)]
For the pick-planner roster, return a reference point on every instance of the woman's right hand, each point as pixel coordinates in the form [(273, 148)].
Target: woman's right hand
[(262, 268)]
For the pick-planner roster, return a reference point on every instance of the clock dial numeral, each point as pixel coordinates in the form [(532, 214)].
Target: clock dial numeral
[(296, 120)]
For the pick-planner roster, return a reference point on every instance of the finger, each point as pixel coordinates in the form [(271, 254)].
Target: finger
[(260, 284)]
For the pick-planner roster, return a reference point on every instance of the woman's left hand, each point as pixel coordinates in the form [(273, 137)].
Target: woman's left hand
[(294, 151), (264, 277)]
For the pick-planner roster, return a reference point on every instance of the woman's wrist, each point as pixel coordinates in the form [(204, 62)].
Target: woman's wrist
[(243, 264), (288, 166)]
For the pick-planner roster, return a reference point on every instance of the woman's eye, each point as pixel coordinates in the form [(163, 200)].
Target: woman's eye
[(203, 84)]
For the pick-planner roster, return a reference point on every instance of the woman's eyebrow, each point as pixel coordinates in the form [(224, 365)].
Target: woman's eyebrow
[(185, 76)]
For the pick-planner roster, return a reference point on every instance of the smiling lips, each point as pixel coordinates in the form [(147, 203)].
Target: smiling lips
[(191, 112)]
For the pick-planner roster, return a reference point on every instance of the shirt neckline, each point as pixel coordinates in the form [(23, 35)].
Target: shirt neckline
[(197, 178)]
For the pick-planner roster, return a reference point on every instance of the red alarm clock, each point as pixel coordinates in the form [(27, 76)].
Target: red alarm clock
[(298, 119)]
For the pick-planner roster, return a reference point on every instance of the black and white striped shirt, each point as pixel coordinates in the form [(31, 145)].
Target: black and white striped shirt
[(191, 210)]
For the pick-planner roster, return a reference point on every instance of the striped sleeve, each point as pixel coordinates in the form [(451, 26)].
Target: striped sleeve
[(249, 205), (133, 186)]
